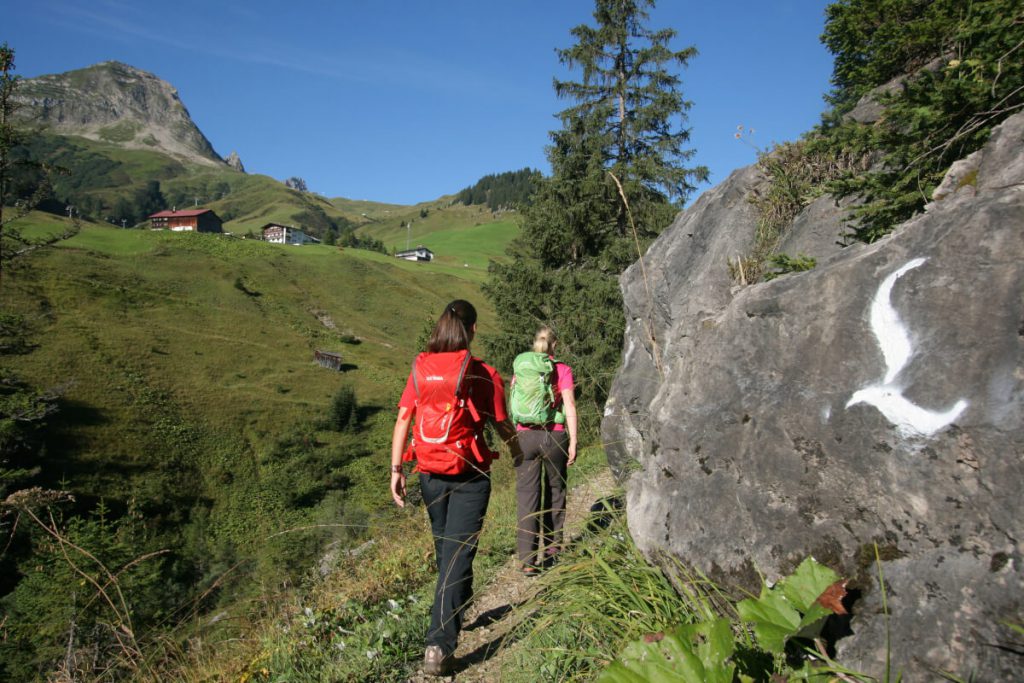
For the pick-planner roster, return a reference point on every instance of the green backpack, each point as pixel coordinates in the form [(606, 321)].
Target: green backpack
[(533, 399)]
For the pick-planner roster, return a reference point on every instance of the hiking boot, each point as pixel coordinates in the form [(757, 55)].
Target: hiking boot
[(436, 662)]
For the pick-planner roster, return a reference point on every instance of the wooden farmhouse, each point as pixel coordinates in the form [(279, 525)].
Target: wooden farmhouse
[(194, 220), (420, 253), (286, 234)]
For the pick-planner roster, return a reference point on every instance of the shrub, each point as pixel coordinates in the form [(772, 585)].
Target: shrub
[(344, 415)]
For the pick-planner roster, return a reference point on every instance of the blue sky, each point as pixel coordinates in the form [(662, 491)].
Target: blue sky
[(406, 100)]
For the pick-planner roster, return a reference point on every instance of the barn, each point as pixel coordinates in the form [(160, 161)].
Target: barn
[(193, 220)]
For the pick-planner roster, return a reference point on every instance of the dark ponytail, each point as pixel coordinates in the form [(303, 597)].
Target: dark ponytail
[(454, 329)]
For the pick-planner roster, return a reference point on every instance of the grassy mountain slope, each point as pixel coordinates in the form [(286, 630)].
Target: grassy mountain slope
[(226, 327), (192, 401), (101, 173), (369, 211), (460, 236)]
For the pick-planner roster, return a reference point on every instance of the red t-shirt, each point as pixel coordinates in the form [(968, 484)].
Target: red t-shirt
[(486, 388)]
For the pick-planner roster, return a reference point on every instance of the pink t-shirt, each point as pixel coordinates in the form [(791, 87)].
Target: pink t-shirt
[(563, 380)]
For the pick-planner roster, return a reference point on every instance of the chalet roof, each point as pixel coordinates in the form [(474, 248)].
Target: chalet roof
[(181, 214)]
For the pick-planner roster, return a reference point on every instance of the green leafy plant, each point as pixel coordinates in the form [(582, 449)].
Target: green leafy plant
[(715, 649), (697, 652), (792, 608)]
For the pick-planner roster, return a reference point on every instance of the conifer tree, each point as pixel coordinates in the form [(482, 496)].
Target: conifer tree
[(962, 73), (625, 126)]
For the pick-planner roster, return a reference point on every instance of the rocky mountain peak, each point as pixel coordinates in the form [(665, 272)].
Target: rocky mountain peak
[(117, 103), (235, 162)]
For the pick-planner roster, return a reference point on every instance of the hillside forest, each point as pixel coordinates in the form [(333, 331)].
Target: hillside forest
[(179, 476)]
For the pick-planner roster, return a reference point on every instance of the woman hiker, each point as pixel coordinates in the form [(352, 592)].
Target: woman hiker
[(451, 395), (543, 406)]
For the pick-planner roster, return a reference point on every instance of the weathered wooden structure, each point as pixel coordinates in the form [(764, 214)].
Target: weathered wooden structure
[(328, 359)]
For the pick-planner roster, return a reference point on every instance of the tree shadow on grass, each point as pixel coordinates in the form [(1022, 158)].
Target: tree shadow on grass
[(366, 412)]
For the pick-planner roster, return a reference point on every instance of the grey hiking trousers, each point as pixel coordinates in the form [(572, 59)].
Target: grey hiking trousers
[(540, 494)]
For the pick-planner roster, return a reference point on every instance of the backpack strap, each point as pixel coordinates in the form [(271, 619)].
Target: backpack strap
[(462, 372)]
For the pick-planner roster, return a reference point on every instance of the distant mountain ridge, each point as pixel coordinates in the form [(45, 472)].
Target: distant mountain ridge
[(116, 103), (118, 129)]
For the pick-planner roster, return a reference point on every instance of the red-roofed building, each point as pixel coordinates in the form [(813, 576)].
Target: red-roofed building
[(195, 220)]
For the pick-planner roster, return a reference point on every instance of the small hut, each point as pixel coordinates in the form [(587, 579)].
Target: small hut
[(328, 359)]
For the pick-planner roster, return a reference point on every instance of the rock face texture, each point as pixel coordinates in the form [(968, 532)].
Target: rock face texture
[(116, 103), (875, 402)]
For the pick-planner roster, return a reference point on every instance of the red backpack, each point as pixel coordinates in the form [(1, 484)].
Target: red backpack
[(446, 437)]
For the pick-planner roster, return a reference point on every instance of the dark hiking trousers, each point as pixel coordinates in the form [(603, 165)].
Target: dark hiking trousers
[(540, 493), (456, 506)]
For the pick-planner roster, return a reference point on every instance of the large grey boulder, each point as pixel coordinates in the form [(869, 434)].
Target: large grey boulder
[(875, 402)]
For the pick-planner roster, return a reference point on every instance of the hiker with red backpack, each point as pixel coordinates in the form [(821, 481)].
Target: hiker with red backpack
[(451, 395), (542, 402)]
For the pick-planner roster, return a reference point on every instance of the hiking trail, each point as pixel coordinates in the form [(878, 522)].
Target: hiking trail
[(491, 618)]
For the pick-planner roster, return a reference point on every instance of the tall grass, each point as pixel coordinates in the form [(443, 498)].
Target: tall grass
[(601, 596)]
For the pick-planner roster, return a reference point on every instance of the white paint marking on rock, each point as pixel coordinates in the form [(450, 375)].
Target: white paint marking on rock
[(897, 350)]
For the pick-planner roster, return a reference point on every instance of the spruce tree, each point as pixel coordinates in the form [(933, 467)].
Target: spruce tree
[(962, 74), (625, 126)]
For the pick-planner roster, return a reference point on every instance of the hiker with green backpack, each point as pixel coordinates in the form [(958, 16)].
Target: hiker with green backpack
[(542, 403), (451, 395)]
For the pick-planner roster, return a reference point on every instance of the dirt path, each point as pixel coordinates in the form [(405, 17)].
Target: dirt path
[(482, 645)]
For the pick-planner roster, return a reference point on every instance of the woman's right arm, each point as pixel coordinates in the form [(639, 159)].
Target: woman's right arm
[(398, 439), (569, 405)]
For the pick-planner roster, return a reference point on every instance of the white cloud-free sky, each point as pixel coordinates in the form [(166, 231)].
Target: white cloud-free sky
[(406, 100)]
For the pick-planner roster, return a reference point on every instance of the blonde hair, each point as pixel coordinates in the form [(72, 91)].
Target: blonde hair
[(544, 341)]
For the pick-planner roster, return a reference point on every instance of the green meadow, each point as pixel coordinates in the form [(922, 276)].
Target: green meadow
[(229, 326), (191, 401)]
